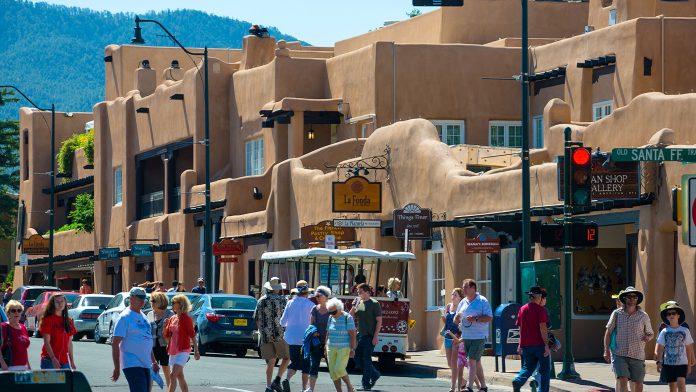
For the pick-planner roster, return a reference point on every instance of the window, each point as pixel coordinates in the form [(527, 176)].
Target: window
[(601, 110), (118, 186), (538, 125), (505, 134), (482, 275), (254, 157), (436, 277), (612, 17), (451, 132)]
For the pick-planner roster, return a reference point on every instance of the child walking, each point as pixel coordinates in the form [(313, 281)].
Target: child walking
[(676, 343)]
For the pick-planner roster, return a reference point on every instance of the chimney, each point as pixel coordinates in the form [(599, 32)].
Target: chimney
[(145, 78), (174, 72)]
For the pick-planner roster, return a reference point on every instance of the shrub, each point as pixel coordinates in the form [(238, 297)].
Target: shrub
[(66, 153)]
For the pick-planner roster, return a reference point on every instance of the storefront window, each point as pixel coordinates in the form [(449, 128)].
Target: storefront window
[(436, 277)]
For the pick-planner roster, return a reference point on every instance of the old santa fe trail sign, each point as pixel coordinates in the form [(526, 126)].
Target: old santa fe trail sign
[(653, 154)]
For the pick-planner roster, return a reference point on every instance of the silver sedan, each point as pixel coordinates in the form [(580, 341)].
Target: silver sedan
[(85, 310)]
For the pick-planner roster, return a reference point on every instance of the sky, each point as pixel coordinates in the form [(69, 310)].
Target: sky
[(318, 22)]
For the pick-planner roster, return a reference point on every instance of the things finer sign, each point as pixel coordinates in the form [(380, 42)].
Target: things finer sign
[(415, 219), (357, 194)]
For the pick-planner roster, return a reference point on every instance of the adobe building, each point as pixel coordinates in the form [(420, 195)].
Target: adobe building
[(427, 97)]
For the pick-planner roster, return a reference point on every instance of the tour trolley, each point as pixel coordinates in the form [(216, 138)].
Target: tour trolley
[(340, 270)]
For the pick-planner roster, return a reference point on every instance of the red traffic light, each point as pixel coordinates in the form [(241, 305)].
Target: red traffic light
[(581, 156)]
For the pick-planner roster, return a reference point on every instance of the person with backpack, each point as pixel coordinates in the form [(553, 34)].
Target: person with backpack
[(674, 351), (341, 342), (313, 348)]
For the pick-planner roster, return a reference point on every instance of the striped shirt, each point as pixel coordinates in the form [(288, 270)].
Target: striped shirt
[(338, 331), (630, 330)]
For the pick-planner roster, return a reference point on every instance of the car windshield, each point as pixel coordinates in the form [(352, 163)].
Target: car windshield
[(33, 293), (96, 301), (191, 296), (232, 303), (70, 298)]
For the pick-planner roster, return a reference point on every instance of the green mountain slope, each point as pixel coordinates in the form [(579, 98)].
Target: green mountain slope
[(55, 53)]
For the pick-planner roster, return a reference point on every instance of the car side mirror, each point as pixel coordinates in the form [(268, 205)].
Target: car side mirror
[(102, 307)]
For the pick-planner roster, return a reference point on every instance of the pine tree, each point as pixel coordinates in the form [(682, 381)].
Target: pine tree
[(9, 173)]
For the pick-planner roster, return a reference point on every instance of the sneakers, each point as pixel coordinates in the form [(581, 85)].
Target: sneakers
[(268, 389), (275, 385), (286, 385), (374, 380)]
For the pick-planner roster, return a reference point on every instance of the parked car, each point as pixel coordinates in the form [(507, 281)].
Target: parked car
[(225, 322), (191, 296), (3, 316), (32, 315), (104, 328), (26, 295), (85, 310)]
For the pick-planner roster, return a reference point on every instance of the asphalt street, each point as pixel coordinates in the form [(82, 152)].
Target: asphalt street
[(228, 373)]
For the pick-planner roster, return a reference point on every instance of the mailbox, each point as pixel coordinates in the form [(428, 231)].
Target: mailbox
[(507, 334)]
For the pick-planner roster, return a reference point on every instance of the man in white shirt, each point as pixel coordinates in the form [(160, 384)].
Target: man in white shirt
[(295, 320), (474, 315), (131, 346)]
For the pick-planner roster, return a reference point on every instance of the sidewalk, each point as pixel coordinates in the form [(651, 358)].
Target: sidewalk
[(595, 376)]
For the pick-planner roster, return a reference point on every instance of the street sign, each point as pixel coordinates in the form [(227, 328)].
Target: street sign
[(315, 234), (415, 219), (108, 253), (35, 245), (357, 194), (438, 3), (229, 247), (653, 154), (692, 211), (358, 223), (611, 180), (329, 241), (24, 260), (141, 250)]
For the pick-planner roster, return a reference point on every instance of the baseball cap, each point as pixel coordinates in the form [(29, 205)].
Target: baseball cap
[(137, 292), (535, 290)]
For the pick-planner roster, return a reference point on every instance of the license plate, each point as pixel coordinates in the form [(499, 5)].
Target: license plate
[(233, 332), (50, 377), (241, 322)]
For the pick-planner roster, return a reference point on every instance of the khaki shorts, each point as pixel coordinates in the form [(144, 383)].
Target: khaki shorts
[(630, 368), (273, 350), (474, 348)]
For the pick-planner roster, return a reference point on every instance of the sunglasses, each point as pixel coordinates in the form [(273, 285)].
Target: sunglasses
[(632, 297), (15, 311), (671, 314)]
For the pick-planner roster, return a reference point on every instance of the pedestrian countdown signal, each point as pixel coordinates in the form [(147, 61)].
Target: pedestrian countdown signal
[(581, 176), (582, 235)]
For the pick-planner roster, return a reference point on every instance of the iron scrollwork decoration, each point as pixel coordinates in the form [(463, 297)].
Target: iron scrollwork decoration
[(363, 166)]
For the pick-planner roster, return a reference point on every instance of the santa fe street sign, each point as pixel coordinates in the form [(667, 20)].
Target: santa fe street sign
[(653, 154)]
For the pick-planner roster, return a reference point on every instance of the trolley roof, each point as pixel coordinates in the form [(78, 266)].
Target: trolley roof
[(323, 253)]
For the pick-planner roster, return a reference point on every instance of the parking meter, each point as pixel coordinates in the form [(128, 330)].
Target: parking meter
[(507, 334)]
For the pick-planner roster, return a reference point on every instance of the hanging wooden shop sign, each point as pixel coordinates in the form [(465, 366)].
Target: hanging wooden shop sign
[(35, 245), (357, 194), (316, 234), (229, 247)]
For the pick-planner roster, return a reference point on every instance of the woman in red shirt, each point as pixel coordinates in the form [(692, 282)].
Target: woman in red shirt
[(179, 332), (15, 336), (57, 329)]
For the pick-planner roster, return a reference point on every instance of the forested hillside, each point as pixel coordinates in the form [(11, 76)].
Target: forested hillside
[(55, 53)]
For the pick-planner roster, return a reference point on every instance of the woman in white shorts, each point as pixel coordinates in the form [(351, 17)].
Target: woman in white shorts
[(179, 331)]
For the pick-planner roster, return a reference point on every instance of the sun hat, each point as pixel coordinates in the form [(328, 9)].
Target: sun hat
[(137, 292), (616, 296), (671, 305), (302, 289), (631, 290), (273, 284)]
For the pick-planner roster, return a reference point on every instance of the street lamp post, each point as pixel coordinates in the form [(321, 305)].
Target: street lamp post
[(526, 225), (207, 227), (52, 173)]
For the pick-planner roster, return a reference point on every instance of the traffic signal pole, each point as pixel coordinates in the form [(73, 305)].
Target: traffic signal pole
[(568, 371)]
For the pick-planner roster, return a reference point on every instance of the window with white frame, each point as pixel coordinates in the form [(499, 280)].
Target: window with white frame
[(538, 126), (612, 17), (451, 132), (436, 277), (505, 134), (118, 186), (254, 157), (601, 110), (482, 275)]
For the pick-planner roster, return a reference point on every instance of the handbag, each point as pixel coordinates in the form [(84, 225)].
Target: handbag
[(7, 351)]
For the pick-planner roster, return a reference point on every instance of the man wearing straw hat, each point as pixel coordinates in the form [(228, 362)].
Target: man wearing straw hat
[(633, 330), (272, 344)]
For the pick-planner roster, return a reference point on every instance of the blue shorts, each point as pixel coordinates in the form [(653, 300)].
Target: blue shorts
[(448, 343), (46, 363)]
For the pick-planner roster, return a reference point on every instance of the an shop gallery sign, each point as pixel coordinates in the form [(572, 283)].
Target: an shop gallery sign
[(357, 194), (611, 179)]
